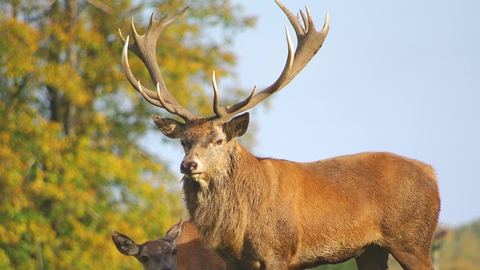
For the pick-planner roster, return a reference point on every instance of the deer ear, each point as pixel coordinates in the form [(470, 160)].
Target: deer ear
[(124, 244), (237, 126), (169, 127), (174, 232)]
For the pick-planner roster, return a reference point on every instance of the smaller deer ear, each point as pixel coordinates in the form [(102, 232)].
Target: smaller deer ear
[(174, 232), (124, 244), (237, 126), (169, 127)]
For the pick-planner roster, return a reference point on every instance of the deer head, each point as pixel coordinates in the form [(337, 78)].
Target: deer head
[(158, 254), (207, 139)]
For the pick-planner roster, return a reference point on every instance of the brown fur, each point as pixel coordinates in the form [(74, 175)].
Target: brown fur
[(277, 214), (192, 253)]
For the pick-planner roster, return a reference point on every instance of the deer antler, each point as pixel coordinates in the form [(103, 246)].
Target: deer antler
[(309, 42), (144, 48)]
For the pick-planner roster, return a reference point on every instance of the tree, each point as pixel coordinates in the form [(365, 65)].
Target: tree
[(461, 247), (71, 168)]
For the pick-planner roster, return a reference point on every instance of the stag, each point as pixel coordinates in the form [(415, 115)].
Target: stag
[(181, 249), (265, 213)]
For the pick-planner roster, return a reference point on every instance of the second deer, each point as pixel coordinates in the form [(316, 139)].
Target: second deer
[(180, 249)]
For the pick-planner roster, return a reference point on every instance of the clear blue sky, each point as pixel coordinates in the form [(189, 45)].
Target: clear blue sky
[(396, 76)]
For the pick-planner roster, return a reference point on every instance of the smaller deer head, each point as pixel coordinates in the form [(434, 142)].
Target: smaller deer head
[(158, 254)]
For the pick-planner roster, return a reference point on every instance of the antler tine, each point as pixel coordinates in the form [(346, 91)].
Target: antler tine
[(146, 93), (216, 96), (309, 42), (221, 111), (144, 47), (307, 20)]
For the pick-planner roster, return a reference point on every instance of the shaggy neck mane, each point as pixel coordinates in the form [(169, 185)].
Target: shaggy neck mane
[(221, 212)]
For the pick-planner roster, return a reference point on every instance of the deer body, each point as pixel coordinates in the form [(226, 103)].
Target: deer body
[(277, 214), (180, 249), (263, 213)]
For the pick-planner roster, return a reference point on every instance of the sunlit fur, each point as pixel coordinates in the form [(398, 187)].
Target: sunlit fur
[(263, 213)]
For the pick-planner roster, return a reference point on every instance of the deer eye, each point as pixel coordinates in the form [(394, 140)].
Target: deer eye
[(219, 142), (144, 259), (182, 143), (175, 251)]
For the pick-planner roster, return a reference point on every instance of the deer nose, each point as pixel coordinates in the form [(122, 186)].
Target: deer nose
[(188, 167)]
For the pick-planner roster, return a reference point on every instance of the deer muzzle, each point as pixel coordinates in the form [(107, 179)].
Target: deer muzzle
[(191, 165), (193, 169), (188, 167)]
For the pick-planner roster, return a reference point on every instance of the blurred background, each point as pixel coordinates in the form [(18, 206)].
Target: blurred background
[(80, 157)]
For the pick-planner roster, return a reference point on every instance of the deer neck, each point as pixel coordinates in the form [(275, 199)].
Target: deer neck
[(221, 210)]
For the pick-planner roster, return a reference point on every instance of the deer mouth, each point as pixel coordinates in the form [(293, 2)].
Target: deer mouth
[(197, 177), (193, 176)]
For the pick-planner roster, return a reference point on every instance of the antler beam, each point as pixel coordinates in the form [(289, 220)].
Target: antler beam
[(144, 48), (309, 42)]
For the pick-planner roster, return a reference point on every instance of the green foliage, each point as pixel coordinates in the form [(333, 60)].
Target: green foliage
[(348, 265), (71, 170), (461, 248)]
